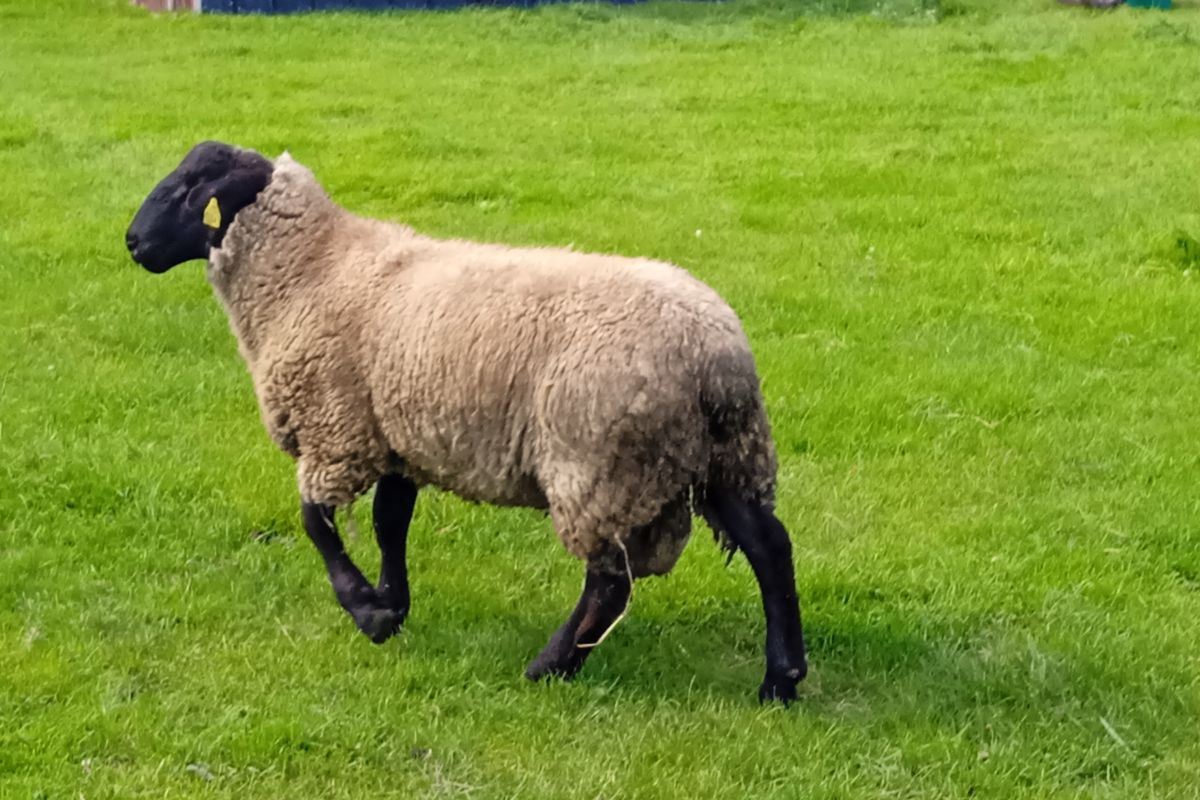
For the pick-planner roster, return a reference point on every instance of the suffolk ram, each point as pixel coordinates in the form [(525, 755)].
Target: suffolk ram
[(618, 394)]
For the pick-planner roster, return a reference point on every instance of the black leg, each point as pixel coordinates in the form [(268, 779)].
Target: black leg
[(395, 497), (761, 536), (604, 599), (351, 588)]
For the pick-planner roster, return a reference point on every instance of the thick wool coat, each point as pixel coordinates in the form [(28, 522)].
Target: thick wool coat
[(609, 391)]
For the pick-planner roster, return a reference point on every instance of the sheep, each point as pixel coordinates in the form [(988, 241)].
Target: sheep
[(615, 394)]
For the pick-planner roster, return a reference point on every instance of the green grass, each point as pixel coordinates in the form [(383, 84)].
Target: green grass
[(964, 245)]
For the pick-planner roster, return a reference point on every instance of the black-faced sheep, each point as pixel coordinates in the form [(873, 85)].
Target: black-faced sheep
[(617, 394)]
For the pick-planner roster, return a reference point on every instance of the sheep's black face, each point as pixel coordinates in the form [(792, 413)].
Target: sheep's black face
[(188, 212)]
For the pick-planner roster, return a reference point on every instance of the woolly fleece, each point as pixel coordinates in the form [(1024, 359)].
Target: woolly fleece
[(610, 391)]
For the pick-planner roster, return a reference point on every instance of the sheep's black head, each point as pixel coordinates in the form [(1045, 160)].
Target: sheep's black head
[(188, 212)]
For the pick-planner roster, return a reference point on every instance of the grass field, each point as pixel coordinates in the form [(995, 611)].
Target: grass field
[(964, 243)]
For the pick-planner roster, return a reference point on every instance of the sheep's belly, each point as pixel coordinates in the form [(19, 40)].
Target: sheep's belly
[(478, 485)]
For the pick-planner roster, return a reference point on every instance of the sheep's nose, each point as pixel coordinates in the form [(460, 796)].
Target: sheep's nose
[(131, 241)]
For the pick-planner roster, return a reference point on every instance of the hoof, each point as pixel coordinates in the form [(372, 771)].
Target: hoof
[(378, 624), (780, 687), (555, 666)]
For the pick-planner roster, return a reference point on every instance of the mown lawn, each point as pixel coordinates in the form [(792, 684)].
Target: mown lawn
[(964, 244)]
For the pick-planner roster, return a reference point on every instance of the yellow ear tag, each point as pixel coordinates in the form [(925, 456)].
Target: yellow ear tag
[(212, 214)]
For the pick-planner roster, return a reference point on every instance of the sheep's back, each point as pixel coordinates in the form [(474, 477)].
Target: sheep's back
[(495, 364)]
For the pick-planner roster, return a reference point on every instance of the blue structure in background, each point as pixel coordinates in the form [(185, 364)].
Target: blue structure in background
[(289, 6)]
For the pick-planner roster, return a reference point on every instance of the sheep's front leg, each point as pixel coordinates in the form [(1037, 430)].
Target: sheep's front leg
[(357, 596), (395, 497), (604, 599)]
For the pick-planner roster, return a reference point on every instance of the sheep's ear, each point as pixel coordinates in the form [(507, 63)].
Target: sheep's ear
[(232, 191)]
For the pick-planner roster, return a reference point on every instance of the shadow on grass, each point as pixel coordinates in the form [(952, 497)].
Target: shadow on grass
[(873, 659), (717, 651)]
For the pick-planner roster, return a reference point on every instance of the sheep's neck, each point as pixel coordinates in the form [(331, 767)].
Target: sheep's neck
[(268, 268), (260, 288)]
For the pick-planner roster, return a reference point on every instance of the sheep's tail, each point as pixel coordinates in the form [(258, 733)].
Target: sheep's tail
[(742, 462)]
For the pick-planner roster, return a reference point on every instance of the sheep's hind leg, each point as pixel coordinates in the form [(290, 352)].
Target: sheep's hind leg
[(360, 600), (395, 497), (757, 532), (604, 599)]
